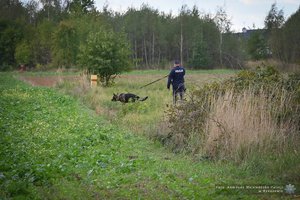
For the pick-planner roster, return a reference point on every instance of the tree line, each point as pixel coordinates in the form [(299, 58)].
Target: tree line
[(57, 33)]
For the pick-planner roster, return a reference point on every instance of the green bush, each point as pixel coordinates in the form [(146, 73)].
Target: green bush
[(5, 67), (106, 54), (23, 53)]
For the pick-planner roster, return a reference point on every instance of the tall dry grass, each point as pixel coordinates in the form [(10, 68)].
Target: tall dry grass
[(247, 123), (254, 114)]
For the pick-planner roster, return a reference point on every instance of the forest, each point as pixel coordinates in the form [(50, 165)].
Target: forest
[(52, 34)]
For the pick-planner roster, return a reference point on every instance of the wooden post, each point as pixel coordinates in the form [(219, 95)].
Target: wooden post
[(93, 80)]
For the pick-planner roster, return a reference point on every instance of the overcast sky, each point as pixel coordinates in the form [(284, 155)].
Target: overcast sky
[(243, 13)]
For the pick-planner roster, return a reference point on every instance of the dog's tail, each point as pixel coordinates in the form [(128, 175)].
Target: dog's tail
[(143, 99)]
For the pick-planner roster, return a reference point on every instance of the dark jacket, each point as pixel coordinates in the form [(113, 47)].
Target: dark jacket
[(176, 77)]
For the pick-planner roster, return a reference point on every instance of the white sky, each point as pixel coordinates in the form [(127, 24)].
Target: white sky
[(243, 13)]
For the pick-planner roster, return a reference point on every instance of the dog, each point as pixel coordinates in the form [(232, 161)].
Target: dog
[(127, 97)]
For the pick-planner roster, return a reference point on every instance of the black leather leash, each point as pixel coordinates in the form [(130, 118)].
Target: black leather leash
[(154, 81)]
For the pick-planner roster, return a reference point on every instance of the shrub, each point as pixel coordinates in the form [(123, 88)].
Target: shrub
[(106, 54), (23, 54), (253, 112)]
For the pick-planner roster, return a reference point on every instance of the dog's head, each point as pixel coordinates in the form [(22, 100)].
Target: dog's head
[(115, 97)]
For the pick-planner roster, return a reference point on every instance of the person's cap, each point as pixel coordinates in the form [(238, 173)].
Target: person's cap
[(177, 62)]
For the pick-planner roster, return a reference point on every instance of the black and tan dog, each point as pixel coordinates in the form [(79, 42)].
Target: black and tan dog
[(127, 97)]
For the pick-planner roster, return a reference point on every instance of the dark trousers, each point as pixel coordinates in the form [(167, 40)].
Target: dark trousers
[(178, 90)]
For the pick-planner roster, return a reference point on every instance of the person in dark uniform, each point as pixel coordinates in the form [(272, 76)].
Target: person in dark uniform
[(176, 78)]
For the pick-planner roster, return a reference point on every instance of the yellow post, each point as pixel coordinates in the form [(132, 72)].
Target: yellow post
[(93, 80)]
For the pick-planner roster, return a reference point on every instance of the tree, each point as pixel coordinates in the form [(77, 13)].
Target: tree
[(211, 35), (43, 42), (55, 29), (257, 46), (234, 52), (11, 33), (224, 25), (11, 10), (23, 54), (81, 6), (65, 44), (275, 18), (200, 57), (291, 45), (52, 10), (32, 10), (106, 54), (273, 23)]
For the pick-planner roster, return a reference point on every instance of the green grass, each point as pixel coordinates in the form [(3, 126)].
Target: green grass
[(54, 147)]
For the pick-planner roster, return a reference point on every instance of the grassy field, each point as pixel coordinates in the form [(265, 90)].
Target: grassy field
[(141, 117), (54, 147)]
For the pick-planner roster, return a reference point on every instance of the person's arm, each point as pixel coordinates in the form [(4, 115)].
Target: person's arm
[(170, 79), (183, 74)]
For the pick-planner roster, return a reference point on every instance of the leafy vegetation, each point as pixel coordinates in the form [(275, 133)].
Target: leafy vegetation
[(65, 44), (282, 40), (257, 46), (51, 36), (105, 54), (23, 53), (54, 147)]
